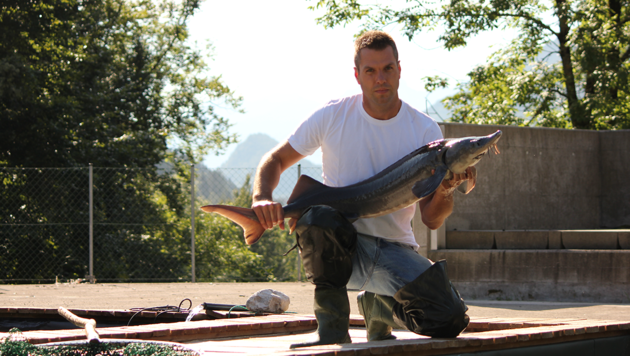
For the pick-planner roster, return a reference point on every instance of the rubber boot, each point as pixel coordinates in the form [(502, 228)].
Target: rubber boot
[(332, 311), (377, 312), (430, 305)]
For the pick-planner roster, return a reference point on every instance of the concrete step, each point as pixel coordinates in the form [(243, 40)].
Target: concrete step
[(614, 239), (570, 275)]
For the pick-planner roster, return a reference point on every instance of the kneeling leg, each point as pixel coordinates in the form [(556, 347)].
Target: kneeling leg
[(430, 305), (326, 241)]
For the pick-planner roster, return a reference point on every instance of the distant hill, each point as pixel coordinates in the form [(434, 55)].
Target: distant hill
[(212, 186), (249, 152), (245, 158)]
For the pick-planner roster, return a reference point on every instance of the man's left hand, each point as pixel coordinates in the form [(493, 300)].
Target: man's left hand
[(469, 176)]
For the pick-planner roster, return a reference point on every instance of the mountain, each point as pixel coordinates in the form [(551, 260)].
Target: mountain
[(213, 186), (249, 152), (245, 158)]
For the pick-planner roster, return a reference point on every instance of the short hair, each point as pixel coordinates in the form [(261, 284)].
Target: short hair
[(377, 40)]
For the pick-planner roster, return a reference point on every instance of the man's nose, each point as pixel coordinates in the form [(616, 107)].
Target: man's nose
[(380, 76)]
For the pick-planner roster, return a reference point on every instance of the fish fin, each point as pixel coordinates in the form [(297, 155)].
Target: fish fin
[(292, 225), (305, 185), (427, 186), (469, 183), (246, 218)]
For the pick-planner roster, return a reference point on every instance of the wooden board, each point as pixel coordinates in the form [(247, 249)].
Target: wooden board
[(272, 334)]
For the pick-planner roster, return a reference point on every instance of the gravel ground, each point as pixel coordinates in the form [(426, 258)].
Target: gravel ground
[(126, 296)]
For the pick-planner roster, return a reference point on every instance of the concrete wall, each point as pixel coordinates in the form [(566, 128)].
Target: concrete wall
[(546, 179), (553, 275), (614, 157)]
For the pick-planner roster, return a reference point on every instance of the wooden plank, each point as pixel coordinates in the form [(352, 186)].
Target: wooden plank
[(272, 334)]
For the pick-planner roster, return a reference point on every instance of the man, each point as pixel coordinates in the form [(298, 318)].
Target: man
[(359, 137)]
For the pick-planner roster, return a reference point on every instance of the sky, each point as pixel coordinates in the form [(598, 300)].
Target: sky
[(286, 66)]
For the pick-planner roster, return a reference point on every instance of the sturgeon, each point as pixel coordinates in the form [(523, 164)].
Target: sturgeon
[(409, 180)]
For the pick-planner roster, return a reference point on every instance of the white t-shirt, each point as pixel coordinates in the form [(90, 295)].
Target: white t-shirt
[(356, 146)]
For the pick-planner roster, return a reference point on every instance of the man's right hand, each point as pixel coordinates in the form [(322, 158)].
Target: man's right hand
[(269, 213), (267, 177)]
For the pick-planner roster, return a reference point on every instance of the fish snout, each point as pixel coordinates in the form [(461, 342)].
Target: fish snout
[(468, 151)]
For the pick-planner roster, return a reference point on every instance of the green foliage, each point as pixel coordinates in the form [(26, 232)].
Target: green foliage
[(23, 348), (243, 195), (273, 244), (271, 247), (585, 87), (222, 254), (111, 83), (106, 82), (141, 225), (509, 90)]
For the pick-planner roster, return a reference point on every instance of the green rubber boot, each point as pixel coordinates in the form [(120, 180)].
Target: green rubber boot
[(332, 311), (377, 312)]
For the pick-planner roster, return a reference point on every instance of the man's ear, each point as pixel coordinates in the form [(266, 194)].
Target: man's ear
[(356, 75), (399, 69)]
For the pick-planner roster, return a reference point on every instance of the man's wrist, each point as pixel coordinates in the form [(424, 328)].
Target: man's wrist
[(261, 197), (446, 191)]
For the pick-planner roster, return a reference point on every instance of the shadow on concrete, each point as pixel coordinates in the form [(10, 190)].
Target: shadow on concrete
[(531, 306)]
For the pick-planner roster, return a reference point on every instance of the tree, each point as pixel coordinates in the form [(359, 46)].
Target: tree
[(273, 244), (107, 82), (586, 88), (223, 255), (104, 82)]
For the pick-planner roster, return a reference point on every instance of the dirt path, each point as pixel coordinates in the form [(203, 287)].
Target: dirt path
[(126, 296)]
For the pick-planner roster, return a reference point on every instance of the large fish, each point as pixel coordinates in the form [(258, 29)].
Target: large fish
[(410, 179)]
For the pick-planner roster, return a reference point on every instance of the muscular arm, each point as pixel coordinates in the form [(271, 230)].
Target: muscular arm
[(439, 205), (266, 180)]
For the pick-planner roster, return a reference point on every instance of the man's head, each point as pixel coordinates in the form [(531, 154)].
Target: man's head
[(378, 72), (376, 40)]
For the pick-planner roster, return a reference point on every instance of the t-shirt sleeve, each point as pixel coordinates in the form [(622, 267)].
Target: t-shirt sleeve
[(307, 137)]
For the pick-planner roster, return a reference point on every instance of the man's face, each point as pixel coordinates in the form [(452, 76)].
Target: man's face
[(379, 76)]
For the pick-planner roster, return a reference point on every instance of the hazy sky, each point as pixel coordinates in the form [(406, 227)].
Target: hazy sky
[(286, 66)]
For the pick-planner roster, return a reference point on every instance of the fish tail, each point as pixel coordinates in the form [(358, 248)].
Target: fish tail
[(246, 218)]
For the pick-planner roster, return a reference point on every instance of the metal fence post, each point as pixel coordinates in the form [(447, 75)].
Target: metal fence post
[(299, 264), (192, 220), (91, 228)]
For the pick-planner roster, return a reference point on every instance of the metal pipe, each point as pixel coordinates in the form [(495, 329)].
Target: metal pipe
[(192, 221), (91, 225)]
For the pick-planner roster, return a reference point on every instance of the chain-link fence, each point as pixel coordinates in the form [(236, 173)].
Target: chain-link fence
[(219, 185), (114, 224)]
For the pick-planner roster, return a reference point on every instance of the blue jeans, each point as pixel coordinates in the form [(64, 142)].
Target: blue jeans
[(383, 267)]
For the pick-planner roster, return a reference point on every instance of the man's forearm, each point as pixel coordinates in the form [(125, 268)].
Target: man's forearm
[(437, 207), (267, 178)]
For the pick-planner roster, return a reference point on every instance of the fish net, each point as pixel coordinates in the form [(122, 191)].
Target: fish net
[(16, 345)]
